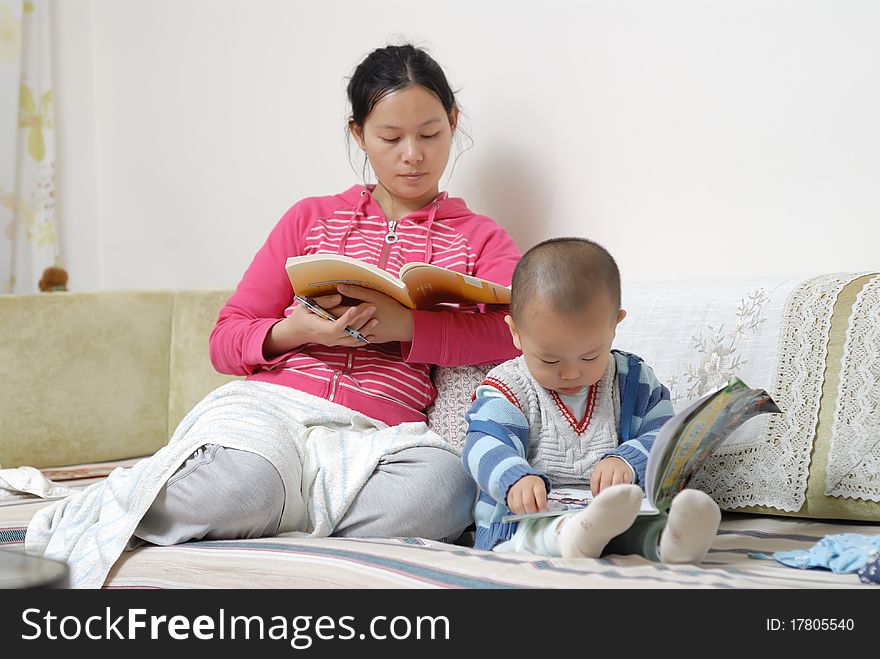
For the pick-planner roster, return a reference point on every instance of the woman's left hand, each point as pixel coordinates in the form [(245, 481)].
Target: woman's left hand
[(390, 322)]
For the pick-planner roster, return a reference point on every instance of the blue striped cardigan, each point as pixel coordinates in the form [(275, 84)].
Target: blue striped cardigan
[(496, 446)]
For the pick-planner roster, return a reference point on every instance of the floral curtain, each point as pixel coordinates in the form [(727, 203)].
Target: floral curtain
[(28, 238)]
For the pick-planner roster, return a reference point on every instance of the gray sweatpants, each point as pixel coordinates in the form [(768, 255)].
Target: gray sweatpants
[(221, 493)]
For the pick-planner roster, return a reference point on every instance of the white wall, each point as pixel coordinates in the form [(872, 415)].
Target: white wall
[(692, 138)]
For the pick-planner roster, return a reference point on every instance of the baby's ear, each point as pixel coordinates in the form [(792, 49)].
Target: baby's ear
[(512, 326), (620, 316)]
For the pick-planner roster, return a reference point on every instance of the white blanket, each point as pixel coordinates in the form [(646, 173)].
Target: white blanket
[(323, 451), (25, 482)]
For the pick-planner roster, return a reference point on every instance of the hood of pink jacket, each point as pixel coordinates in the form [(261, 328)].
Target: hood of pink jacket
[(442, 208)]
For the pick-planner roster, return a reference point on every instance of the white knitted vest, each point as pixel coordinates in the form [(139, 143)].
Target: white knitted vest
[(562, 447)]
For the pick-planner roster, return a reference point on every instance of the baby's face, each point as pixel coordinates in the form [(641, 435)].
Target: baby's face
[(568, 353)]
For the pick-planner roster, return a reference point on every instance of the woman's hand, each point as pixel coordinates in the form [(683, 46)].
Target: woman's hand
[(527, 495), (391, 321), (303, 326), (609, 471)]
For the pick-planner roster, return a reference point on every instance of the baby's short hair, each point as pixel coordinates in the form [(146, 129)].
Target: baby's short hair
[(565, 274)]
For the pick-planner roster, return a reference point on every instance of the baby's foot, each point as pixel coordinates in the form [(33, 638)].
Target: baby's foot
[(585, 534), (691, 527)]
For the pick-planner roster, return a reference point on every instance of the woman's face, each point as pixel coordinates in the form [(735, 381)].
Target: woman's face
[(407, 138)]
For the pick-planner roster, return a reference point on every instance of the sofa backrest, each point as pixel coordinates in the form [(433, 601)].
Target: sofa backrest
[(190, 373), (813, 342), (89, 377)]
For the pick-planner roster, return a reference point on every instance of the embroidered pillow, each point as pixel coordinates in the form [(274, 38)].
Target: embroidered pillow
[(455, 388)]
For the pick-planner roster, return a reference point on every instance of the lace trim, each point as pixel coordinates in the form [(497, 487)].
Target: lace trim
[(772, 469), (854, 455)]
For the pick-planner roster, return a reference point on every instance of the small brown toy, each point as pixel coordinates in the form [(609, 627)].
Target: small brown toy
[(54, 279)]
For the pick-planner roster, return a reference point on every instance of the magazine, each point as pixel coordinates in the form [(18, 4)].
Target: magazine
[(561, 500)]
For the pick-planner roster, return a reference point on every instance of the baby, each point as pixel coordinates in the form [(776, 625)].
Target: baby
[(553, 417)]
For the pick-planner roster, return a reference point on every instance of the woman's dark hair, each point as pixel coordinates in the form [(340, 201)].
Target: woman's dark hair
[(391, 69)]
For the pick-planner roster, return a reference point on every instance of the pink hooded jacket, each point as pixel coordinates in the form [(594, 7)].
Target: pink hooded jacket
[(391, 381)]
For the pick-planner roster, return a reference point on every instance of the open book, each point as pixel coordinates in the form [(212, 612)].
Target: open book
[(682, 446), (419, 285)]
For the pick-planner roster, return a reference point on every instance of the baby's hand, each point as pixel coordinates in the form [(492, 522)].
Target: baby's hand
[(609, 471), (527, 495)]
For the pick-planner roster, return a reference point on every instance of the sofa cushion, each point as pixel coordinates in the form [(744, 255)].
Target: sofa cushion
[(103, 376), (85, 376)]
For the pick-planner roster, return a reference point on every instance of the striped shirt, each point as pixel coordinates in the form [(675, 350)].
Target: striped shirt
[(389, 381)]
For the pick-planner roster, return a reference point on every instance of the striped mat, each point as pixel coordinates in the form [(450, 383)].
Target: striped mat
[(292, 562)]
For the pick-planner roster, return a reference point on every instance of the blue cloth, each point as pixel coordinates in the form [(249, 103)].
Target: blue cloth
[(870, 571), (842, 553)]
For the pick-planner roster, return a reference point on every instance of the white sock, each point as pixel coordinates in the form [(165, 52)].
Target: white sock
[(690, 529), (585, 534)]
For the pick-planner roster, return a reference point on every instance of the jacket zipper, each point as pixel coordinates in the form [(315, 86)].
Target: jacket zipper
[(390, 238), (348, 362)]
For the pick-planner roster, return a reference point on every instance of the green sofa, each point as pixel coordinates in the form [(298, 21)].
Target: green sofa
[(105, 378)]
